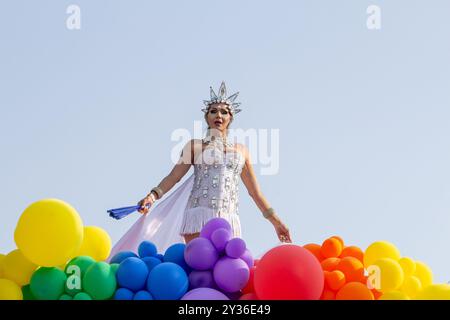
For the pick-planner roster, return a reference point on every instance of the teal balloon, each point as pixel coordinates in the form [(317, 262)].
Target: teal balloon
[(82, 296), (27, 294), (100, 281), (48, 283), (65, 297)]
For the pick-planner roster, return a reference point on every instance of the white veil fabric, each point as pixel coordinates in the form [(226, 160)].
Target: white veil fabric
[(161, 225)]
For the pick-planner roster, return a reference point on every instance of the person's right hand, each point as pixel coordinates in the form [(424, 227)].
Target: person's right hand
[(146, 203)]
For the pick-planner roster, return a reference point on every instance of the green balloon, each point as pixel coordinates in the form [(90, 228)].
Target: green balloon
[(100, 281), (114, 267), (48, 283), (65, 297), (82, 296), (26, 292), (83, 262)]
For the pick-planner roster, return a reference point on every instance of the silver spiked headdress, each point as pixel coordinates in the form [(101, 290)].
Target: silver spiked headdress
[(222, 98)]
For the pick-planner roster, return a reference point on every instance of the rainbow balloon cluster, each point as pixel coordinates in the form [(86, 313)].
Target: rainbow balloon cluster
[(59, 258), (378, 273), (49, 236)]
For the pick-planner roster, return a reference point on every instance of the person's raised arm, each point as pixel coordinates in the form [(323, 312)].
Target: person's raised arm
[(176, 174), (249, 179)]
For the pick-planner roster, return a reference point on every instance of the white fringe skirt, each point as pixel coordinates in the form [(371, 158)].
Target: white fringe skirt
[(195, 218)]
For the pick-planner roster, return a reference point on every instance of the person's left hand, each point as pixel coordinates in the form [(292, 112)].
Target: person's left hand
[(282, 232)]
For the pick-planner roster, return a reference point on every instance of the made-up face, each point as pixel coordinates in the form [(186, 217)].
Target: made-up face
[(219, 116)]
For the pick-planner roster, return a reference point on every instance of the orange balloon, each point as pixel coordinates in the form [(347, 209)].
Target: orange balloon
[(331, 248), (314, 248), (354, 291), (353, 251), (330, 264), (334, 279), (328, 295), (352, 268), (339, 239)]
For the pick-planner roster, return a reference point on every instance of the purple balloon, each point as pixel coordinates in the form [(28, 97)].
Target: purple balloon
[(200, 254), (235, 248), (204, 294), (220, 238), (201, 279), (248, 258), (231, 275), (212, 225)]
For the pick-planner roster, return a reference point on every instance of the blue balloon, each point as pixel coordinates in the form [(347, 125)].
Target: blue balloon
[(167, 281), (151, 262), (147, 249), (175, 254), (119, 257), (123, 294), (160, 257), (143, 295), (132, 274)]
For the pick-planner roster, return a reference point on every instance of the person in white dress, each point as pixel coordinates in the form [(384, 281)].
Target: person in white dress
[(211, 191)]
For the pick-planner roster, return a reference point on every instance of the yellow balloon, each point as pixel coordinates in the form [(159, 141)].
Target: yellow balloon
[(378, 250), (408, 265), (394, 295), (17, 268), (424, 273), (96, 243), (389, 273), (10, 290), (411, 286), (49, 232), (434, 292), (2, 257)]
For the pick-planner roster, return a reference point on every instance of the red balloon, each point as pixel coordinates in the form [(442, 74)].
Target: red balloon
[(288, 272), (249, 286), (249, 296)]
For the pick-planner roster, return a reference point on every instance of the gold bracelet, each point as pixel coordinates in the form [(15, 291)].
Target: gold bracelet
[(268, 213), (159, 192)]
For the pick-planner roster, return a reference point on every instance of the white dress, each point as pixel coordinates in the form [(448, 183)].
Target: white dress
[(215, 190), (211, 191)]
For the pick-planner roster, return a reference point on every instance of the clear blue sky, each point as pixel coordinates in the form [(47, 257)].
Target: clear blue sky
[(86, 115)]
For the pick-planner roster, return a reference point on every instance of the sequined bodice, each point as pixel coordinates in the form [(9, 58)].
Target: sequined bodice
[(216, 181)]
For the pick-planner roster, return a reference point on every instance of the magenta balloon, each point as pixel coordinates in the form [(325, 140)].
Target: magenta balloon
[(231, 275), (204, 294), (248, 258), (212, 225), (200, 254), (235, 248), (201, 279), (220, 238)]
